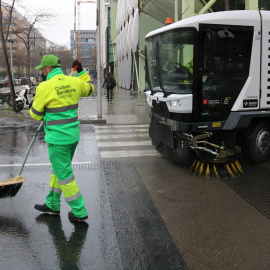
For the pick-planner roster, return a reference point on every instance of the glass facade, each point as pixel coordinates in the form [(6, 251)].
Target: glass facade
[(229, 5), (88, 48), (110, 59), (264, 4)]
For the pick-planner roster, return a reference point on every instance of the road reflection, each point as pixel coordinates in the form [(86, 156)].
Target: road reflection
[(68, 249)]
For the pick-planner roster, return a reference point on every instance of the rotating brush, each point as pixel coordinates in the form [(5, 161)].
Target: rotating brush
[(216, 168)]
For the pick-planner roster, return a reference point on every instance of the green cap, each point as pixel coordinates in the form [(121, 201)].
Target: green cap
[(49, 60)]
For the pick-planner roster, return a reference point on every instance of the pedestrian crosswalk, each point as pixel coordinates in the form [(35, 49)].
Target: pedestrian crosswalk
[(124, 141)]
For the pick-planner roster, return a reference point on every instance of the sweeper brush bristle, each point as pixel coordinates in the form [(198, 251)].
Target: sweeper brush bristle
[(216, 170)]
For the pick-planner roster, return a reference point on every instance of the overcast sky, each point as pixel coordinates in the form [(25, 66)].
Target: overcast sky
[(59, 31)]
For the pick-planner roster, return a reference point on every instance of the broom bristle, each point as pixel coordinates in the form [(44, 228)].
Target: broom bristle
[(9, 188)]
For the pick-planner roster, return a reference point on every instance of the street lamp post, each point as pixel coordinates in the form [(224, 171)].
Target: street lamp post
[(99, 105)]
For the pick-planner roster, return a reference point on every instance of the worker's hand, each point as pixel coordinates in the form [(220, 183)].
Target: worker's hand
[(78, 64)]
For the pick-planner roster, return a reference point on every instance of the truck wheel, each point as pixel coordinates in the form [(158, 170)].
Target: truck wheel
[(18, 106), (256, 142)]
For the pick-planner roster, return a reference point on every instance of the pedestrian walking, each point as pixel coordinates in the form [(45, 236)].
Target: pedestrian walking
[(110, 84), (56, 104)]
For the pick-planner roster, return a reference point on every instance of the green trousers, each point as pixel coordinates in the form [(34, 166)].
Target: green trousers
[(63, 180)]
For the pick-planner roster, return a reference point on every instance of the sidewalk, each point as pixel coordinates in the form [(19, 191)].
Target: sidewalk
[(127, 107)]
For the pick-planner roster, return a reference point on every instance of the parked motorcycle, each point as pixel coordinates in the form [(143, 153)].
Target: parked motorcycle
[(21, 100), (5, 97)]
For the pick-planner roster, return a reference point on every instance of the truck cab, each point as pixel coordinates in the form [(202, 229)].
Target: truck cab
[(209, 78)]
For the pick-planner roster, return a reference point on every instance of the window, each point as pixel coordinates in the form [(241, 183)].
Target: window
[(224, 66), (170, 61)]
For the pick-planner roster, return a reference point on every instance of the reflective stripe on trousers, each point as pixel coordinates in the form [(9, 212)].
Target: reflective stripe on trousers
[(63, 180)]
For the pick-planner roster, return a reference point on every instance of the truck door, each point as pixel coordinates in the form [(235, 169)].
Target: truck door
[(224, 61)]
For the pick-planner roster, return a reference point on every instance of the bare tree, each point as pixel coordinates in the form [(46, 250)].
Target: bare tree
[(19, 59), (27, 32), (64, 55), (3, 40)]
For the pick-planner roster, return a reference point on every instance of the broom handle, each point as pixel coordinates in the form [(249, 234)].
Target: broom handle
[(39, 128)]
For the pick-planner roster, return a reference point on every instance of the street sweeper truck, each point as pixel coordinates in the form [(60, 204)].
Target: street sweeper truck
[(209, 90)]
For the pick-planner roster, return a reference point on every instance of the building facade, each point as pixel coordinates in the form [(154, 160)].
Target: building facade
[(85, 50), (23, 39), (132, 20), (107, 59)]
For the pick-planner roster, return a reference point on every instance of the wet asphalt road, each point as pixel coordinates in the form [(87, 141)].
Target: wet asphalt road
[(145, 212), (124, 229)]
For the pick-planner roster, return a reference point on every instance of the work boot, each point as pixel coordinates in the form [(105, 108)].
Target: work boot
[(73, 218), (45, 209)]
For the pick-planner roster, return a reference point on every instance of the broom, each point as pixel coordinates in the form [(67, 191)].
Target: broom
[(10, 187)]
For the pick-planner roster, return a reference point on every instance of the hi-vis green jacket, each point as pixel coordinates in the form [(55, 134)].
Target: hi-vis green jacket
[(56, 103)]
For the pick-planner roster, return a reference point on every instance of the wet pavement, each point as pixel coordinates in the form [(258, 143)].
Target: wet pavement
[(124, 228), (145, 212), (127, 107)]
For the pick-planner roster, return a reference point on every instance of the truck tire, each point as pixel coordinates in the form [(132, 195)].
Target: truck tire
[(255, 145)]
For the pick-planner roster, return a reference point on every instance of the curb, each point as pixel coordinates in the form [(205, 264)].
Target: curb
[(14, 115)]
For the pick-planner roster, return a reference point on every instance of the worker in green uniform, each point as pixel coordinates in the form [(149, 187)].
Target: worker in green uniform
[(56, 104)]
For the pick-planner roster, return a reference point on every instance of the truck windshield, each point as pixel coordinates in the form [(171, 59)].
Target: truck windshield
[(170, 61)]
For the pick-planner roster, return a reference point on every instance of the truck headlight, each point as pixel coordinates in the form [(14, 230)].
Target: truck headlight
[(173, 103)]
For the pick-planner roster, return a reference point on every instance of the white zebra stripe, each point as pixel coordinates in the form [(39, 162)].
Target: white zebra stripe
[(119, 144), (109, 131), (119, 136), (128, 154), (121, 126)]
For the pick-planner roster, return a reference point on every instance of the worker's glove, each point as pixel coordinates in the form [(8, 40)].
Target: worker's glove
[(78, 64)]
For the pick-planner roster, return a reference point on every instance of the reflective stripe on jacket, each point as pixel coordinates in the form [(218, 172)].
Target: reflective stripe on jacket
[(56, 103)]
